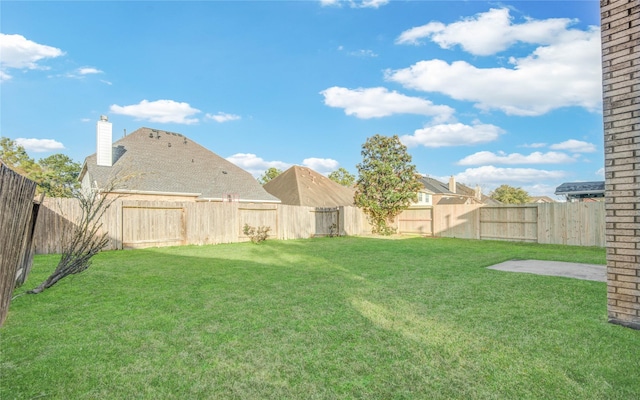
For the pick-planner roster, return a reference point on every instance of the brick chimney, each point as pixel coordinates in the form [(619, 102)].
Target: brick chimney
[(452, 184)]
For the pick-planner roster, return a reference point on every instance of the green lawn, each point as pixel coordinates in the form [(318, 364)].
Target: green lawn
[(330, 318)]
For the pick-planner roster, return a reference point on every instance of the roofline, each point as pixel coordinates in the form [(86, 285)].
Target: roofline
[(203, 199), (124, 191), (581, 192), (83, 170)]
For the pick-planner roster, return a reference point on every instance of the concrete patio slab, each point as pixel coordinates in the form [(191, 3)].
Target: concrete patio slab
[(591, 272)]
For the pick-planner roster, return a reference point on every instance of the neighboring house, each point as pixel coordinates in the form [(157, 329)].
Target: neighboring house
[(477, 195), (541, 199), (301, 186), (581, 191), (152, 164), (435, 192)]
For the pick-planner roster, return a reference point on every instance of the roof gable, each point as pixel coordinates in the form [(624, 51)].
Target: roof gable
[(303, 186), (152, 160), (434, 186)]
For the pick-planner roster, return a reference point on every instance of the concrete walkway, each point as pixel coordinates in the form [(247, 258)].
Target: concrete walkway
[(591, 272)]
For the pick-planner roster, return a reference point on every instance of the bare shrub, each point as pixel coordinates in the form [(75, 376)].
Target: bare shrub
[(84, 241), (256, 234)]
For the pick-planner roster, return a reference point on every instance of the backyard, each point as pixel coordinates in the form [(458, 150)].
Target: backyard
[(326, 318)]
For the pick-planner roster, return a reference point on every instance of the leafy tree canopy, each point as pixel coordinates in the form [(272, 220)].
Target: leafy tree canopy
[(343, 177), (56, 175), (387, 181), (510, 195), (269, 175), (16, 158), (59, 175)]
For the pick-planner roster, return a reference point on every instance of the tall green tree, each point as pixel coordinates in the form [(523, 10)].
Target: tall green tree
[(387, 181), (510, 195), (55, 175), (269, 175), (16, 158), (343, 177), (59, 175)]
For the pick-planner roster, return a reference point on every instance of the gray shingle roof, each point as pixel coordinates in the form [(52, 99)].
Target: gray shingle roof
[(581, 188), (301, 186), (434, 186), (454, 200), (152, 160)]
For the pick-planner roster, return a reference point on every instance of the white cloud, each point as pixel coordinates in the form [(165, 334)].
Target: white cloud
[(88, 71), (223, 117), (600, 172), (370, 3), (326, 3), (363, 53), (565, 73), (380, 102), (541, 189), (457, 134), (487, 157), (80, 73), (534, 145), (162, 111), (255, 165), (321, 165), (575, 146), (39, 145), (490, 175), (20, 53), (487, 33)]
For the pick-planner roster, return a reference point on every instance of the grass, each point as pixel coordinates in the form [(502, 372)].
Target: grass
[(331, 318)]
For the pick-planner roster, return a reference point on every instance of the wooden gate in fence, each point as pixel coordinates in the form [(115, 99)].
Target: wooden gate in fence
[(416, 221), (152, 225), (514, 223)]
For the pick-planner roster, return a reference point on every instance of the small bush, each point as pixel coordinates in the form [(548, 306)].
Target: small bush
[(258, 234)]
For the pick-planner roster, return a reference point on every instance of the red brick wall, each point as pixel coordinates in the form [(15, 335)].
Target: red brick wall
[(620, 25)]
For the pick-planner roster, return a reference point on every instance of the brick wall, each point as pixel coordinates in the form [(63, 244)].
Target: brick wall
[(620, 25)]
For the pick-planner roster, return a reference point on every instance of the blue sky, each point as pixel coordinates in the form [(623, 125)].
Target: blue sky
[(490, 92)]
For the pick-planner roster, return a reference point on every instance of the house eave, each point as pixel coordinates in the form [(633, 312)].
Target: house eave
[(581, 192), (157, 193), (220, 199)]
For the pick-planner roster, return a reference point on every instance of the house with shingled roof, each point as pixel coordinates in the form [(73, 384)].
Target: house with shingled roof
[(434, 192), (581, 191), (152, 164), (301, 186)]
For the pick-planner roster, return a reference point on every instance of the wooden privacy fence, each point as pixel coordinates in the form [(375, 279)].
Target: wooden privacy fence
[(17, 214), (578, 224), (137, 224)]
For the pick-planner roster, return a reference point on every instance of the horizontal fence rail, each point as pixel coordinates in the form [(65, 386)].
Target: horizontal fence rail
[(138, 224)]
